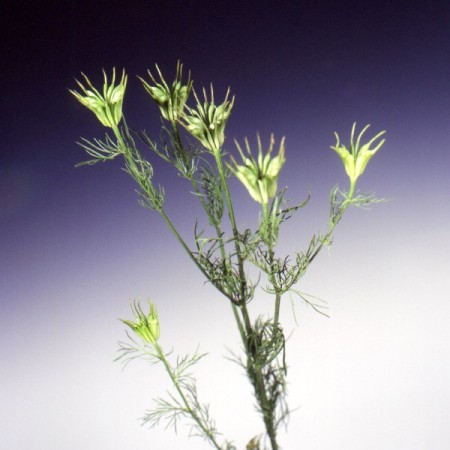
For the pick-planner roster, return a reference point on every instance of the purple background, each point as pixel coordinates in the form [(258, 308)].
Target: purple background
[(76, 247)]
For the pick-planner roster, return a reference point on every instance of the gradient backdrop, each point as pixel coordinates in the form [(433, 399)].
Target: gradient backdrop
[(76, 247)]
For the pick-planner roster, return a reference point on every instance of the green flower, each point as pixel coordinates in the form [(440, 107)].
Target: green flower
[(207, 122), (107, 107), (259, 176), (146, 326), (355, 160), (171, 101)]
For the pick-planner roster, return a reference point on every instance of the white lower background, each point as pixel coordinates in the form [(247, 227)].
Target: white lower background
[(373, 376)]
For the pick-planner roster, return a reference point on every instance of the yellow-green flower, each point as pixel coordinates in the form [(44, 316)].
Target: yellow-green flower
[(171, 101), (146, 325), (207, 122), (355, 160), (107, 106), (260, 175)]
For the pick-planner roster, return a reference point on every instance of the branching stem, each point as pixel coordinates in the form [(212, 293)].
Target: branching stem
[(188, 407)]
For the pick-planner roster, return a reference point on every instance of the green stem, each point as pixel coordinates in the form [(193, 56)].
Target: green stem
[(333, 225), (265, 210), (259, 384), (351, 189), (223, 180), (272, 280), (129, 159), (223, 254), (188, 408), (276, 316), (217, 229)]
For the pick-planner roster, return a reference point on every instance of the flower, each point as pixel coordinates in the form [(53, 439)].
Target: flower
[(207, 122), (356, 159), (171, 101), (146, 326), (107, 107), (259, 176)]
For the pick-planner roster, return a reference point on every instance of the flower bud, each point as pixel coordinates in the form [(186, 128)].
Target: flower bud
[(207, 122), (259, 176), (171, 101), (107, 107), (146, 326), (356, 159)]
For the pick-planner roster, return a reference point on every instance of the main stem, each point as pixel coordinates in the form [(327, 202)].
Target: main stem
[(278, 294), (218, 233), (232, 218), (256, 369)]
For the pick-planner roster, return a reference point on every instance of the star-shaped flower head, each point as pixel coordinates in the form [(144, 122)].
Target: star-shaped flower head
[(259, 175), (107, 106), (146, 325), (207, 121), (355, 160), (171, 100)]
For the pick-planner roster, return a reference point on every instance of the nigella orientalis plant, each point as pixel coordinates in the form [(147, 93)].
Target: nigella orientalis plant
[(194, 130)]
